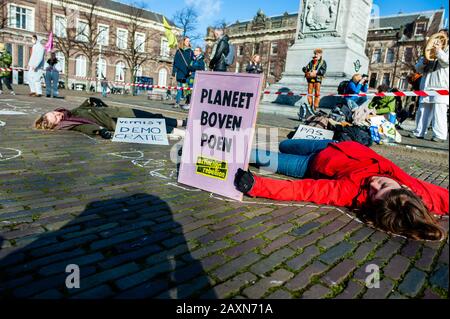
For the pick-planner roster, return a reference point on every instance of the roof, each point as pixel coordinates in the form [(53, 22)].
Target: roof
[(273, 18), (402, 19), (124, 8)]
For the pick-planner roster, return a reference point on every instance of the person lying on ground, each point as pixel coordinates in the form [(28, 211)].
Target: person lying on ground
[(349, 174), (93, 120)]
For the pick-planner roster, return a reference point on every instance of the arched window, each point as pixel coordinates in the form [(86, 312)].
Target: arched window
[(61, 62), (120, 72), (80, 66), (162, 77), (101, 68)]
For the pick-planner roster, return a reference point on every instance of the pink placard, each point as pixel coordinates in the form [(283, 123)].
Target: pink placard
[(220, 131)]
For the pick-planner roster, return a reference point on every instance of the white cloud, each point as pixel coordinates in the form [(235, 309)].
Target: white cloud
[(207, 9)]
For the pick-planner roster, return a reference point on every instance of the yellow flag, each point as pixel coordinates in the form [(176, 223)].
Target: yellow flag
[(171, 38)]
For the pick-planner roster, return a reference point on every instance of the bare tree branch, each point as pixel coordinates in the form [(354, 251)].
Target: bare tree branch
[(3, 14), (187, 20)]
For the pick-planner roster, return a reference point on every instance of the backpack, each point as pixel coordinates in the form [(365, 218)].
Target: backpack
[(358, 134), (229, 59), (343, 87)]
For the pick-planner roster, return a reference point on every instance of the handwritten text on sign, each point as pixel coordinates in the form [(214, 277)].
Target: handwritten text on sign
[(220, 131), (306, 132), (141, 131)]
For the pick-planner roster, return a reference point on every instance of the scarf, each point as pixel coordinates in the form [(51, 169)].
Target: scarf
[(68, 121)]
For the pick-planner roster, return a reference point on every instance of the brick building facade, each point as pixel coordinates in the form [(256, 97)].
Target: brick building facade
[(68, 19), (270, 37)]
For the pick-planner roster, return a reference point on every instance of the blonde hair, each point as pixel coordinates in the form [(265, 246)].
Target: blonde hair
[(41, 123), (357, 77), (254, 57), (318, 50)]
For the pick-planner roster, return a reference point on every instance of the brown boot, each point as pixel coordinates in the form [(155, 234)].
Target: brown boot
[(38, 95), (32, 94)]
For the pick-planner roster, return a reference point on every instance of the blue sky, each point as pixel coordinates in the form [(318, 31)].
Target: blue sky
[(231, 10)]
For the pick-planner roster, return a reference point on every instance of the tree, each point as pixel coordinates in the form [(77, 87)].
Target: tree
[(87, 35), (137, 50), (187, 20), (65, 39)]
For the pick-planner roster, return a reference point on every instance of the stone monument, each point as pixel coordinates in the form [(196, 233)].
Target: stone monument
[(340, 28)]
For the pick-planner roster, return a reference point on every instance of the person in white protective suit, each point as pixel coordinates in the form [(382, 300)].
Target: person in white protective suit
[(433, 109), (36, 67)]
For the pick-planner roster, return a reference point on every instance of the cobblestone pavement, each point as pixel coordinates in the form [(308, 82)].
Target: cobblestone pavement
[(117, 212)]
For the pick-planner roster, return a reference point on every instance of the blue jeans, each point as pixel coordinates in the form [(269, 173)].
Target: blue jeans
[(179, 93), (51, 83), (294, 157), (353, 104), (104, 91)]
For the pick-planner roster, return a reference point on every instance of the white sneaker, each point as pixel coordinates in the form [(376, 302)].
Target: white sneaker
[(186, 107), (12, 93), (176, 106), (1, 92)]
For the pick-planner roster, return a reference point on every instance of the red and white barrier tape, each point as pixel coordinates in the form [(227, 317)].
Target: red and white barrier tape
[(383, 94)]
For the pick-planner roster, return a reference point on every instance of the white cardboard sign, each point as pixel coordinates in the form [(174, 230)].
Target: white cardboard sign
[(141, 131), (306, 132)]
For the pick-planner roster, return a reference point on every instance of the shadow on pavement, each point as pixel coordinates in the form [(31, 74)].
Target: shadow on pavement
[(129, 247)]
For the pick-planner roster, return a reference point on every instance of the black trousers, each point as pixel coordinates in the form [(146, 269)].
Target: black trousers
[(7, 82)]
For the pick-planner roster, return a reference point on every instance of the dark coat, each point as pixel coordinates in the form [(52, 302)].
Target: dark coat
[(254, 68), (217, 62), (181, 64), (322, 69)]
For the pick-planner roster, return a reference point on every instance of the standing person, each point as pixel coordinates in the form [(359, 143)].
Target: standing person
[(5, 62), (255, 66), (414, 79), (182, 60), (197, 64), (314, 73), (105, 86), (219, 52), (357, 85), (434, 108), (52, 70), (35, 66)]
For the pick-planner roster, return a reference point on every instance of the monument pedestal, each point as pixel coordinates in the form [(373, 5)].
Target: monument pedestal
[(340, 28)]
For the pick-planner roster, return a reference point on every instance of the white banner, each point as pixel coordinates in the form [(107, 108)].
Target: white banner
[(141, 131), (306, 132)]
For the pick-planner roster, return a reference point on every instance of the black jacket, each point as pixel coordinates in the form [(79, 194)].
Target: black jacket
[(322, 69), (217, 62), (254, 68), (181, 64)]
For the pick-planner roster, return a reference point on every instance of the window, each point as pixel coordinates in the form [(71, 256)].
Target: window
[(256, 48), (390, 55), (242, 29), (61, 61), (408, 55), (120, 72), (21, 18), (272, 68), (421, 28), (241, 50), (139, 42), (60, 26), (101, 68), (80, 66), (373, 83), (122, 38), (20, 56), (376, 56), (82, 31), (238, 65), (165, 50), (103, 34), (162, 77), (138, 71), (387, 79), (403, 82), (274, 48)]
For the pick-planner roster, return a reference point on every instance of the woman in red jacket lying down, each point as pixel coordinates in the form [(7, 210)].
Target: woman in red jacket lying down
[(351, 175)]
